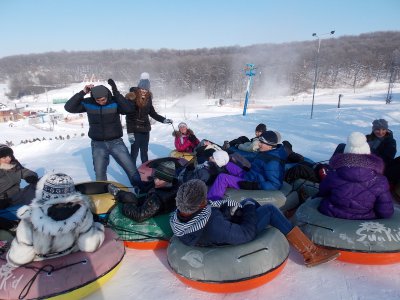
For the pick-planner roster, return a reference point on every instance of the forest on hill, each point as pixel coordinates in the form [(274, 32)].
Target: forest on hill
[(284, 69)]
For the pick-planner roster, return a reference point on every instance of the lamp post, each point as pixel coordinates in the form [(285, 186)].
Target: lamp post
[(316, 66)]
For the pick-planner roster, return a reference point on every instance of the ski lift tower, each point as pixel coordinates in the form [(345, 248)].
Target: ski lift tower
[(250, 72)]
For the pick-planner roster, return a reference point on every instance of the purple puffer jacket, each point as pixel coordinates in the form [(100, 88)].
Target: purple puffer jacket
[(356, 188)]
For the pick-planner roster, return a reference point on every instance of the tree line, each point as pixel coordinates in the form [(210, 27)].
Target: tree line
[(287, 68)]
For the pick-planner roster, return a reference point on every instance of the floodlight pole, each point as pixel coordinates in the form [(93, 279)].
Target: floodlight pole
[(250, 72), (316, 67)]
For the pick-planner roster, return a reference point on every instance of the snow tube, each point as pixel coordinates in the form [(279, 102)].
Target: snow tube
[(189, 156), (370, 242), (98, 193), (72, 276), (230, 269), (285, 198), (153, 233)]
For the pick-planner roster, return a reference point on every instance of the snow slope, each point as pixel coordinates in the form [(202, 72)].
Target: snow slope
[(145, 274)]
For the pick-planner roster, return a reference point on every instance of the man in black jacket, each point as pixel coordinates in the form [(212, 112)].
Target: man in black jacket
[(105, 128)]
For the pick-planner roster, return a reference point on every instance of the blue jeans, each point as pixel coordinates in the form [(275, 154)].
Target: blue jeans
[(101, 151), (268, 214)]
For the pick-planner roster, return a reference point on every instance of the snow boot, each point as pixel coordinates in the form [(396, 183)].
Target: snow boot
[(112, 189), (312, 254)]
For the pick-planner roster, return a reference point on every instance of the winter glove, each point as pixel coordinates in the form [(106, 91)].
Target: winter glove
[(113, 86), (248, 185), (168, 121), (32, 179), (192, 138), (131, 138)]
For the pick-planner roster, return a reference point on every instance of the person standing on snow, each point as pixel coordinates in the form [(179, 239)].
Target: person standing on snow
[(105, 128), (138, 122)]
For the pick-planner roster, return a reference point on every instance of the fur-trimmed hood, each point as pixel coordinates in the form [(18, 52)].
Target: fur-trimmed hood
[(177, 133), (37, 212)]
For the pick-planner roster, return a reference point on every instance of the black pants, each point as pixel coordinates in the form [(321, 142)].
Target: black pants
[(141, 143)]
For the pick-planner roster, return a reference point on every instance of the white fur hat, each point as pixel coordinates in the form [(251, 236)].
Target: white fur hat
[(357, 144), (221, 158)]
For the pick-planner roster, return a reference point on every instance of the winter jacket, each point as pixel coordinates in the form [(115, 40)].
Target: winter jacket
[(54, 228), (268, 169), (104, 120), (183, 143), (386, 149), (157, 201), (139, 121), (211, 226), (10, 179), (356, 188)]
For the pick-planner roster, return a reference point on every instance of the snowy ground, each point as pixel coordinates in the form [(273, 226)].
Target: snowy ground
[(145, 274)]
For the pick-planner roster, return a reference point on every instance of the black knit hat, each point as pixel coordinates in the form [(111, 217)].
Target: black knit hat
[(380, 124), (270, 138), (261, 127), (165, 171), (190, 196), (6, 151)]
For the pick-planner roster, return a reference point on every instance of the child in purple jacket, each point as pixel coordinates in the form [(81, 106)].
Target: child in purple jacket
[(356, 188)]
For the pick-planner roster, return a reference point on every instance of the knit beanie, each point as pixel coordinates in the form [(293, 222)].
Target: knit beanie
[(270, 138), (221, 158), (56, 186), (182, 124), (165, 171), (144, 82), (99, 91), (261, 127), (5, 151), (380, 124), (190, 195), (357, 144)]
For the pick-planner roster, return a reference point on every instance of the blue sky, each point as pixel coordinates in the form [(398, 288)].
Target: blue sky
[(36, 26)]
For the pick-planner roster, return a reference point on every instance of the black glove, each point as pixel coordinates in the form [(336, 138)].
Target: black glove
[(32, 179), (192, 138), (113, 86), (248, 185)]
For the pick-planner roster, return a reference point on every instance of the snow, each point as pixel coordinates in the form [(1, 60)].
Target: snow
[(146, 274)]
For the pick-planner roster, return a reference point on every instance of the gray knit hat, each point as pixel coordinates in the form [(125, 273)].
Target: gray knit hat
[(144, 82), (99, 91), (190, 195), (165, 171), (380, 124)]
